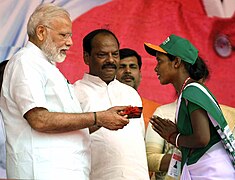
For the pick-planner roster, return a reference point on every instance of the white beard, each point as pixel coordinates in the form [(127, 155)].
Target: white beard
[(52, 52)]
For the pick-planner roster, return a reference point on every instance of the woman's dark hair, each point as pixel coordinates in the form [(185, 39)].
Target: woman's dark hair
[(87, 40), (198, 70)]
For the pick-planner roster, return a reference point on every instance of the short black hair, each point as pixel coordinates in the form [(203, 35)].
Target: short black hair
[(126, 52), (87, 40)]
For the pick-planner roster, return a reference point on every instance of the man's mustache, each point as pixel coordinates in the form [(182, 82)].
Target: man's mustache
[(128, 77), (109, 65)]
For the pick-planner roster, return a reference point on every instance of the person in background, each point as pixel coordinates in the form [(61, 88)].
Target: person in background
[(229, 114), (159, 151), (2, 130), (47, 133), (129, 72), (114, 154), (198, 115)]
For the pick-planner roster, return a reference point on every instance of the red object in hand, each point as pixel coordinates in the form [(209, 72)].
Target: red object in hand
[(133, 111)]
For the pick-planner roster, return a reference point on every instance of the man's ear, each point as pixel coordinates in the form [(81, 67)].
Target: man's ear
[(177, 62), (41, 32), (86, 57)]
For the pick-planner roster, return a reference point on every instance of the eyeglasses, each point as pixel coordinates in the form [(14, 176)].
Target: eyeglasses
[(64, 36)]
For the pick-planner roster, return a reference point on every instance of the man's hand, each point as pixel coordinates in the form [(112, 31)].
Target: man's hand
[(112, 118)]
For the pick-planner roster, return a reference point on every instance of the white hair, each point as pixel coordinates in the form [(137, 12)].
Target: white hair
[(43, 15)]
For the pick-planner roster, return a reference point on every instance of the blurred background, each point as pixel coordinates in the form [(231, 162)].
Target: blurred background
[(208, 24)]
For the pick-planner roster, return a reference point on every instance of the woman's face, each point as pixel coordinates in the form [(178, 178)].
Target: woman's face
[(164, 69)]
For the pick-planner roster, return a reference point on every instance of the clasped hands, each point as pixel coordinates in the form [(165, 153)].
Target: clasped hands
[(165, 128)]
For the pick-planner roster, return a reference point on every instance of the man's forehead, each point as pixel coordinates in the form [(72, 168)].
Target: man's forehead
[(129, 60)]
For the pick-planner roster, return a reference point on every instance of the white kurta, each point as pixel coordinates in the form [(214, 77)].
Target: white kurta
[(2, 149), (35, 82), (120, 154)]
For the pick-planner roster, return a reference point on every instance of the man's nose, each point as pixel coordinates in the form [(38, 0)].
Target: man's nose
[(128, 69), (110, 58), (69, 41)]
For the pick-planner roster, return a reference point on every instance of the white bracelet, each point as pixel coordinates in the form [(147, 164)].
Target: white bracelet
[(176, 140)]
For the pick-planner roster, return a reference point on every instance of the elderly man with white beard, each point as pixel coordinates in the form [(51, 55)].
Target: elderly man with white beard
[(47, 133)]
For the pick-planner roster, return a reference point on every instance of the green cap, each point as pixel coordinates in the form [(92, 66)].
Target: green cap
[(176, 46)]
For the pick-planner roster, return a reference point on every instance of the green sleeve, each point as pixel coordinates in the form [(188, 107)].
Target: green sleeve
[(192, 107)]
